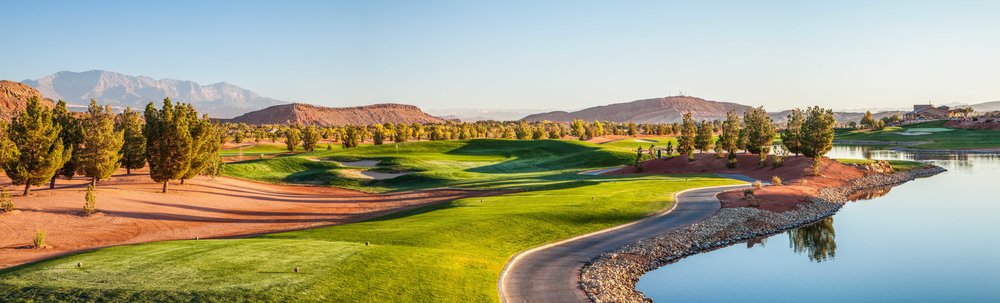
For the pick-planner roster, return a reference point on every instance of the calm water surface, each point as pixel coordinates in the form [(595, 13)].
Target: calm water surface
[(929, 240)]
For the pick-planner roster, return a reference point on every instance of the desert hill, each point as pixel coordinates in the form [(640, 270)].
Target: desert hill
[(219, 100), (14, 96), (658, 110), (672, 109), (306, 114)]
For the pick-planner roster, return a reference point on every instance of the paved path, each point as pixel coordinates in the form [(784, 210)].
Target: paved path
[(551, 273)]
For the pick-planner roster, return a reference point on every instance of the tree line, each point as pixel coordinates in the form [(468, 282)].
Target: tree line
[(42, 145)]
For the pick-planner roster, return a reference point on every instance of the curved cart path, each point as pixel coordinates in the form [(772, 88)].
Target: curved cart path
[(551, 273)]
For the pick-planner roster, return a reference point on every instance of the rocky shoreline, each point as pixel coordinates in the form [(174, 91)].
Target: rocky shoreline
[(611, 277)]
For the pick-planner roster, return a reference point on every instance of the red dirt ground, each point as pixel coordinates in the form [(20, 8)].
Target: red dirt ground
[(132, 210), (796, 175)]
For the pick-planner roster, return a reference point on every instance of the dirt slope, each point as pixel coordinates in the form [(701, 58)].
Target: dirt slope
[(14, 96), (306, 114)]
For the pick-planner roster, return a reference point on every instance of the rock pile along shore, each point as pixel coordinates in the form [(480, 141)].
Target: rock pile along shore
[(611, 277)]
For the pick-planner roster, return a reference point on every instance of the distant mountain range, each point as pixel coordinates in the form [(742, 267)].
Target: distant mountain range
[(483, 114), (219, 100), (305, 114)]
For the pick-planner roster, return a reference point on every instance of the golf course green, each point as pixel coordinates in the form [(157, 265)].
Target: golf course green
[(928, 135), (450, 252)]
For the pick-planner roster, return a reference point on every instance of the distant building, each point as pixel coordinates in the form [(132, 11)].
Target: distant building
[(928, 112)]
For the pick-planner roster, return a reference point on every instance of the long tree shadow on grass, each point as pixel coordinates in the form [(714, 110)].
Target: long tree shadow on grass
[(539, 155)]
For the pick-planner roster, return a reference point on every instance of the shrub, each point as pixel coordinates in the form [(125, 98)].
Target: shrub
[(5, 203), (805, 182), (90, 207), (39, 240), (776, 180), (731, 162), (757, 184), (748, 194)]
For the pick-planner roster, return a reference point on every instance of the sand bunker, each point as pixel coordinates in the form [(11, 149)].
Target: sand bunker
[(645, 140), (369, 174), (360, 163), (131, 210)]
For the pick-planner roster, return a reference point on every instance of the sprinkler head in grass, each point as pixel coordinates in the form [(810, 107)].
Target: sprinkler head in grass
[(296, 269), (79, 264)]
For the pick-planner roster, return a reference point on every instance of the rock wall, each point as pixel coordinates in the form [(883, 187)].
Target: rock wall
[(611, 277)]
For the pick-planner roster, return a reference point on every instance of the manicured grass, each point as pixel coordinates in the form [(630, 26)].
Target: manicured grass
[(934, 139), (899, 165), (255, 150), (480, 164), (451, 252)]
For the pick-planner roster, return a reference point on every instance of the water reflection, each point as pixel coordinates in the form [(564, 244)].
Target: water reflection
[(817, 240)]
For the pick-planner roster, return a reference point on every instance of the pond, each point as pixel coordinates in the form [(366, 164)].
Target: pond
[(929, 240)]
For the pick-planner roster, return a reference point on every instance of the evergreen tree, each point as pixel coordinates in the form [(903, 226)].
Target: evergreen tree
[(868, 121), (792, 138), (168, 142), (99, 151), (759, 133), (310, 137), (632, 130), (133, 152), (703, 136), (37, 151), (579, 130), (205, 143), (72, 136), (817, 134), (293, 136), (685, 142), (351, 137), (729, 139)]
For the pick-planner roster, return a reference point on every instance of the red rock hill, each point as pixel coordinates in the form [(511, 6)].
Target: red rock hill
[(14, 96), (306, 114)]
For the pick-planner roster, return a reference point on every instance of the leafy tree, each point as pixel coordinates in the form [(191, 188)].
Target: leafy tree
[(133, 152), (37, 151), (686, 142), (71, 135), (293, 136), (632, 131), (90, 207), (351, 137), (791, 138), (168, 142), (310, 137), (817, 133), (402, 133), (598, 129), (703, 137), (378, 134), (759, 133), (99, 151), (578, 129), (868, 121)]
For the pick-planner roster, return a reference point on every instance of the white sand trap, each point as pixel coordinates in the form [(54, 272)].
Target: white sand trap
[(361, 163), (369, 174), (645, 140), (913, 133)]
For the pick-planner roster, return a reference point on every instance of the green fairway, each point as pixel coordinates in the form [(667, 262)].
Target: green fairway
[(930, 135), (478, 164), (254, 150), (450, 252)]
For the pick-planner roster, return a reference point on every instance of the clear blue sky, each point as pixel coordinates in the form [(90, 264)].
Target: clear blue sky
[(528, 54)]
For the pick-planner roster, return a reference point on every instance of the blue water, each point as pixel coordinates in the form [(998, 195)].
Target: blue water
[(929, 240)]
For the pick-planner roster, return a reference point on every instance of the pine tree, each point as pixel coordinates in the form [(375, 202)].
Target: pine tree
[(759, 133), (90, 206), (205, 143), (685, 142), (817, 134), (703, 136), (168, 142), (729, 139), (133, 152), (72, 136), (868, 121), (101, 144), (792, 138), (309, 138), (293, 136), (37, 149)]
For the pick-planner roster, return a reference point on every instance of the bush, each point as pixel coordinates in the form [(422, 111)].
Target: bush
[(39, 240), (748, 194), (5, 203), (776, 180), (90, 207), (731, 162), (757, 184)]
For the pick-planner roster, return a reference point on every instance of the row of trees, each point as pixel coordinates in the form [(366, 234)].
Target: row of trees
[(41, 145), (808, 132), (402, 132)]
